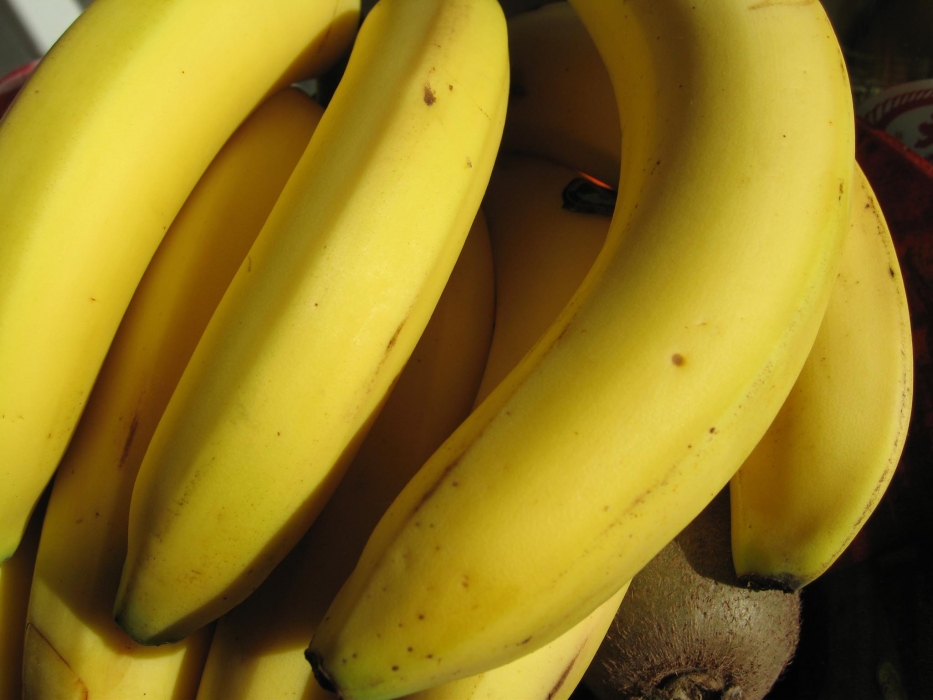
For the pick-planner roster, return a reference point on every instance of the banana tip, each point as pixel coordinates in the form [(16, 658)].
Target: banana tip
[(787, 583), (320, 673)]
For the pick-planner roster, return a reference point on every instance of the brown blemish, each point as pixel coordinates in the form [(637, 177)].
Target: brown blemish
[(564, 674), (129, 441), (430, 492), (525, 641), (394, 337), (429, 96), (39, 646), (677, 359), (93, 299)]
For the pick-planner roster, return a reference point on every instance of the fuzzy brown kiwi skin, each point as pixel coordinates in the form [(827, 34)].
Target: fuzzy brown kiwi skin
[(689, 629)]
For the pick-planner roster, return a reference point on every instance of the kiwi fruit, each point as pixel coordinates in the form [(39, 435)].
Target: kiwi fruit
[(689, 630)]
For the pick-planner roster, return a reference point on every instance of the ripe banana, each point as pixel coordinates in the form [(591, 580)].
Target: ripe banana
[(560, 100), (99, 151), (542, 252), (820, 470), (15, 579), (84, 531), (256, 651), (551, 672), (320, 319), (655, 382)]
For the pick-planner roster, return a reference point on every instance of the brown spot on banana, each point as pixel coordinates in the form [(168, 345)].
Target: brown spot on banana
[(129, 441), (46, 673), (562, 678)]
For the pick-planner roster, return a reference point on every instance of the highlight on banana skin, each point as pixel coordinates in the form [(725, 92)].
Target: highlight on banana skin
[(616, 318)]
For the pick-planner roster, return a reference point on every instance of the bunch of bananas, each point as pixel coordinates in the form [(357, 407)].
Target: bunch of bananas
[(399, 377)]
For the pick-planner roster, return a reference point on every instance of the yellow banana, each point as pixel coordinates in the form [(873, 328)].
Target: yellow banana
[(99, 151), (551, 672), (542, 252), (257, 648), (655, 382), (73, 641), (15, 579), (560, 100), (820, 470), (320, 319)]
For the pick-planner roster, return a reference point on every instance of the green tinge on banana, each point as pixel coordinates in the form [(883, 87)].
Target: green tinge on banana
[(313, 331), (822, 467), (73, 641), (257, 648), (659, 377), (99, 151)]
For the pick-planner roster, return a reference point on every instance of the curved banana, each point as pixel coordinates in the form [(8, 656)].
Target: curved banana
[(99, 152), (257, 649), (542, 251), (551, 672), (655, 382), (319, 321), (560, 99), (15, 580), (820, 470), (72, 640)]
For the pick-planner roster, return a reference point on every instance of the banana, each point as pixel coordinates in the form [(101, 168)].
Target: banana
[(820, 470), (657, 379), (72, 641), (99, 152), (257, 647), (318, 322), (560, 100), (551, 672), (15, 580), (542, 251)]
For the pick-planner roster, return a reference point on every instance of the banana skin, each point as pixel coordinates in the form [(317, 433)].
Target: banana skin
[(819, 472), (657, 379), (100, 149), (319, 321)]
